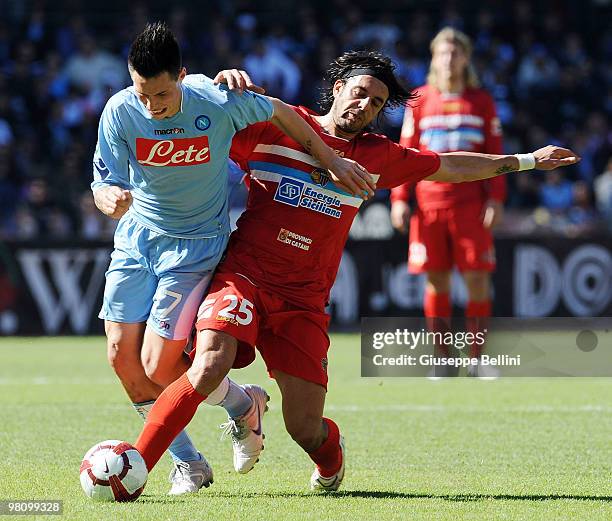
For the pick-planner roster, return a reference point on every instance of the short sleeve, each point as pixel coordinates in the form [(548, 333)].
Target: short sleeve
[(248, 108), (245, 141), (235, 174), (410, 135), (407, 165)]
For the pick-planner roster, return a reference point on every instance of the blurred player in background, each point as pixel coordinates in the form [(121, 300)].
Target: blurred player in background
[(160, 166), (452, 223), (272, 288)]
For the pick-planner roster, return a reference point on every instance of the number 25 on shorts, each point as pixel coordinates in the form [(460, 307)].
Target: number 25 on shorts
[(243, 316)]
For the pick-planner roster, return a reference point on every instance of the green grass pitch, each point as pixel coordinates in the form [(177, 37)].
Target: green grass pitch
[(533, 449)]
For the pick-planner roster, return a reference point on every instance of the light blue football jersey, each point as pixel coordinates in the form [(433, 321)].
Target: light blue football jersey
[(176, 167)]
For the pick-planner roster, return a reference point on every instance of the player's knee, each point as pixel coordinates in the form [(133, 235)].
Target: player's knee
[(213, 360), (157, 371), (478, 286), (207, 372), (119, 355), (307, 432), (114, 358), (151, 367), (438, 281), (206, 375)]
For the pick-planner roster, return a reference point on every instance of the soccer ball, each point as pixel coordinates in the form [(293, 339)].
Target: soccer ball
[(113, 470)]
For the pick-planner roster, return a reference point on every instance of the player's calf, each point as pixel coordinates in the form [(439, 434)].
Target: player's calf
[(124, 343), (162, 358), (214, 357), (308, 431), (245, 405)]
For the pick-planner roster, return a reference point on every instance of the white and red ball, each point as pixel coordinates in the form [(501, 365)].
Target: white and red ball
[(113, 470)]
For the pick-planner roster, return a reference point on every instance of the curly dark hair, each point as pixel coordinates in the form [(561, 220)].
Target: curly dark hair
[(154, 51), (384, 70)]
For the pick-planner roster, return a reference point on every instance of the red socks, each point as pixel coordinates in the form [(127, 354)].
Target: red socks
[(477, 319), (437, 310), (328, 457), (478, 309), (169, 415), (437, 305)]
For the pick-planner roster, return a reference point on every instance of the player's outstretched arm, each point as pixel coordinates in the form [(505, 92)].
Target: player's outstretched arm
[(113, 201), (459, 167)]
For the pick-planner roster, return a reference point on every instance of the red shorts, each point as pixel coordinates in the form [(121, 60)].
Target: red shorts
[(289, 338), (441, 239)]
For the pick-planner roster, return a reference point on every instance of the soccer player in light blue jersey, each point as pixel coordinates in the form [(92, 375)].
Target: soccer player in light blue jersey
[(160, 166)]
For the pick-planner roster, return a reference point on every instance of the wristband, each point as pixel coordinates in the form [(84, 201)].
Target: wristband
[(526, 161)]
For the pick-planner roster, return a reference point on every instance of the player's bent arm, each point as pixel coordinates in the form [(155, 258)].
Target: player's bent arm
[(346, 173), (460, 167), (110, 165), (350, 173), (112, 200)]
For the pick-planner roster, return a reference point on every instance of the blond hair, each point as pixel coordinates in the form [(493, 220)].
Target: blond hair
[(452, 35)]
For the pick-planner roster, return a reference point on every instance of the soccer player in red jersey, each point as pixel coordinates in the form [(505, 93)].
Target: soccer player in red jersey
[(160, 167), (453, 222), (271, 290)]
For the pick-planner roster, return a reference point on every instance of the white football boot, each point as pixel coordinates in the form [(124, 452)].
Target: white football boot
[(483, 372), (246, 431), (321, 483), (188, 477)]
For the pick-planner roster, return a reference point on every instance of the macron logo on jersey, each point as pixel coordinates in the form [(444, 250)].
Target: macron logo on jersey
[(172, 152)]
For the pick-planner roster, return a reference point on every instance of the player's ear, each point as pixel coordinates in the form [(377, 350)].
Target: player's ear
[(337, 87), (182, 74)]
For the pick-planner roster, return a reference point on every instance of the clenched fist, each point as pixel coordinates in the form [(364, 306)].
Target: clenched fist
[(113, 201)]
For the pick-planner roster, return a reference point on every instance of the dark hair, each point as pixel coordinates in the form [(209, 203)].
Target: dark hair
[(381, 66), (154, 51)]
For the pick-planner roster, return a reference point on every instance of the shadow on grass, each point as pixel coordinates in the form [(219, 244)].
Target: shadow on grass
[(473, 497), (380, 494)]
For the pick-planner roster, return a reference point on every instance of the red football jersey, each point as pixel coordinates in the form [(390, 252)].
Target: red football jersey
[(450, 123), (291, 236)]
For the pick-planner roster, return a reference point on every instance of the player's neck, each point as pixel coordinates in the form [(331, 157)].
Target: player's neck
[(328, 126), (451, 86)]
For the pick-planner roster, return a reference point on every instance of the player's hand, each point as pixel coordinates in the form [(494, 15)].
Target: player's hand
[(237, 81), (492, 214), (551, 157), (113, 201), (352, 177), (400, 216)]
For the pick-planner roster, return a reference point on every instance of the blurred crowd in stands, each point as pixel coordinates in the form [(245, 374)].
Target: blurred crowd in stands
[(548, 65)]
